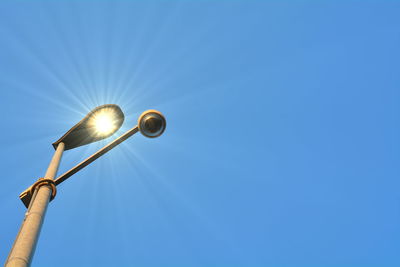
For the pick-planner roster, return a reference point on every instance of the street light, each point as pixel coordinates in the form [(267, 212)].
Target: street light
[(100, 123)]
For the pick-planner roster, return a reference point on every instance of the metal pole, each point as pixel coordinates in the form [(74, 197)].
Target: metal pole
[(24, 245)]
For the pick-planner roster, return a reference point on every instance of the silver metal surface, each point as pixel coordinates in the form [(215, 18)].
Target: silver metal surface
[(25, 243)]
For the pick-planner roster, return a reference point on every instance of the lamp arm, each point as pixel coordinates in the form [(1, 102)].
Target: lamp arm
[(96, 155), (26, 196)]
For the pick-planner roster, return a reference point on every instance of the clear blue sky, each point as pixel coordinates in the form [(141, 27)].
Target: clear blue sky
[(282, 145)]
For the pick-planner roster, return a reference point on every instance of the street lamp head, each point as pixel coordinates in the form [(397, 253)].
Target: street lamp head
[(104, 122), (152, 123), (100, 123)]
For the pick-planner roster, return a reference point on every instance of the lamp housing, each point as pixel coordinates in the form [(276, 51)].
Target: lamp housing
[(152, 123), (98, 124)]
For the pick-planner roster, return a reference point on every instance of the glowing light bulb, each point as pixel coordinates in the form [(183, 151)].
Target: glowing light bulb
[(104, 122)]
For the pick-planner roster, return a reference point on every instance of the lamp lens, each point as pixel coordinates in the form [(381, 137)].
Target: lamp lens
[(104, 122), (152, 125)]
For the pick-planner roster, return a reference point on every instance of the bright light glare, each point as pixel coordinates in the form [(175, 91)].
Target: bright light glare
[(104, 122)]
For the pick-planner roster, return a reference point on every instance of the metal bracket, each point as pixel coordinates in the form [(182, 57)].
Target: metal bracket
[(26, 196)]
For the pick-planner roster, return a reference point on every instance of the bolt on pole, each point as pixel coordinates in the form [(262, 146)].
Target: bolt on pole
[(24, 245)]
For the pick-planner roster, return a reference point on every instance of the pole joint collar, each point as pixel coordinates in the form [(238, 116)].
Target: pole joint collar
[(27, 195), (44, 181)]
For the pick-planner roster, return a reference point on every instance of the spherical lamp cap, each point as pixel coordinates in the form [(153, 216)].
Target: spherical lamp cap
[(152, 123)]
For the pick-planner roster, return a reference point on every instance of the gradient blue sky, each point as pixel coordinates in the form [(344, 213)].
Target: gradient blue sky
[(282, 145)]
